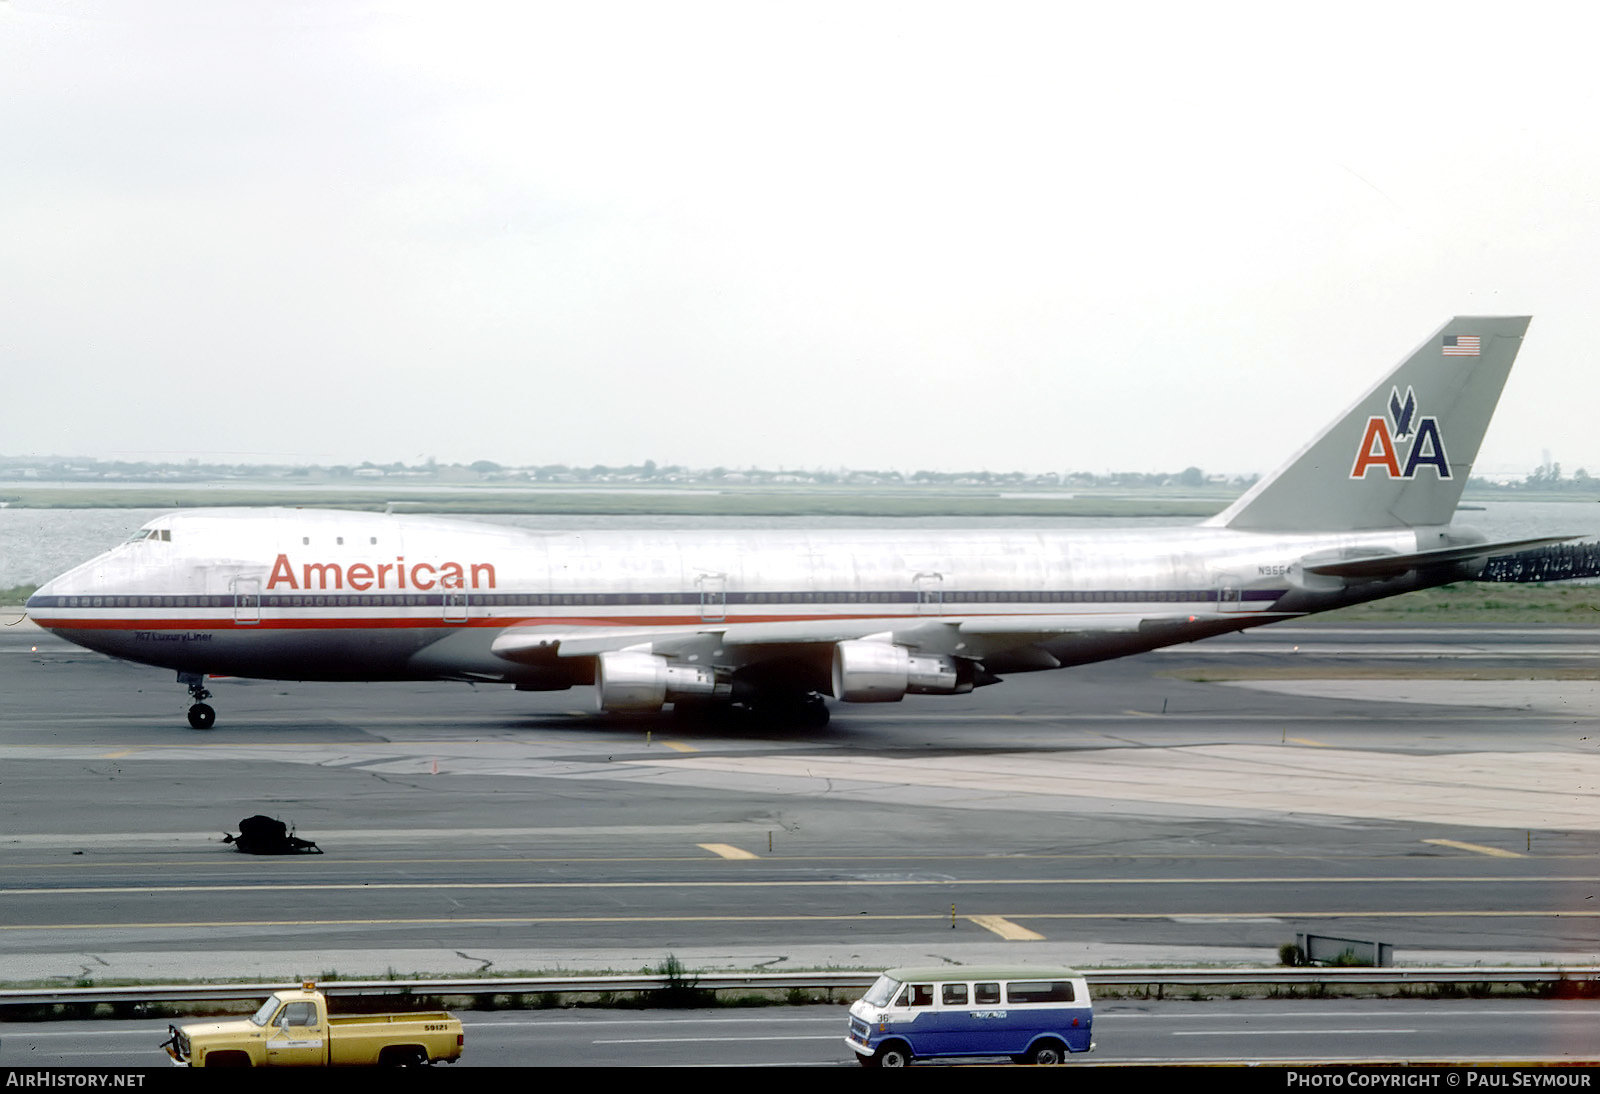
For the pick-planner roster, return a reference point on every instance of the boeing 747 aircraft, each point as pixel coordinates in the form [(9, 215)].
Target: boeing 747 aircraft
[(776, 621)]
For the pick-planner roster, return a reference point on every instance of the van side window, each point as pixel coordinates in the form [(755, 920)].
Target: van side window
[(985, 994), (922, 995), (955, 995), (1039, 991)]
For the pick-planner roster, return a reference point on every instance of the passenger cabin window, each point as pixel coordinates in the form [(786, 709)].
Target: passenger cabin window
[(922, 995), (986, 994), (1039, 991), (955, 995)]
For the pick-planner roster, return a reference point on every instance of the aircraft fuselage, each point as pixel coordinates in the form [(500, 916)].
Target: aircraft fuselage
[(324, 595)]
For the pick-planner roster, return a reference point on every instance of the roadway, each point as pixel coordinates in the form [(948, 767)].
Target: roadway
[(1476, 1031), (1149, 810)]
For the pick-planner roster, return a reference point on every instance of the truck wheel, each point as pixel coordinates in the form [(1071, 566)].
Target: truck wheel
[(228, 1059), (406, 1057)]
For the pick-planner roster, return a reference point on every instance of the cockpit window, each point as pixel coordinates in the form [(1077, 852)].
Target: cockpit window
[(162, 534)]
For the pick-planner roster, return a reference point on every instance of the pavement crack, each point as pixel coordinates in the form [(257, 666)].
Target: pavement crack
[(484, 963)]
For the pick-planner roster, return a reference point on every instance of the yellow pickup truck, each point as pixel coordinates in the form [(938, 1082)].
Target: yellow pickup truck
[(294, 1029)]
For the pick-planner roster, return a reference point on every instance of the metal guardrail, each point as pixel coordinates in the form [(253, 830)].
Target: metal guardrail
[(804, 981)]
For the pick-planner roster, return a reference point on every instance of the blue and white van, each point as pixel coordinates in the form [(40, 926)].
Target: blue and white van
[(1036, 1015)]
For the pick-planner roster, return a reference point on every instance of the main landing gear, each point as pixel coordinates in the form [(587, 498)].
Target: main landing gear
[(783, 712), (201, 716), (786, 712)]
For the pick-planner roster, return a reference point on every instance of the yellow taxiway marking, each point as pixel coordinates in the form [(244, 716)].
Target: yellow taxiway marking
[(846, 917), (726, 850), (1006, 929), (1307, 741), (679, 746), (1477, 848)]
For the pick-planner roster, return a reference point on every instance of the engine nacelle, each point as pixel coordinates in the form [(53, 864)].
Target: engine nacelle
[(865, 671), (632, 680)]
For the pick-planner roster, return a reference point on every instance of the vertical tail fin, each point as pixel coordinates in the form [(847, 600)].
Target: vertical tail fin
[(1400, 456)]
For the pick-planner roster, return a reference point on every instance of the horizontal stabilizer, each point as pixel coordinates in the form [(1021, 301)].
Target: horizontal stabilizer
[(1390, 565)]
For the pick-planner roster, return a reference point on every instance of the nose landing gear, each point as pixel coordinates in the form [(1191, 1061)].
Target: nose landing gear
[(201, 716)]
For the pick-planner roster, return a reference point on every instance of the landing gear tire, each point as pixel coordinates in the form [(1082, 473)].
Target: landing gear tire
[(201, 716), (813, 714)]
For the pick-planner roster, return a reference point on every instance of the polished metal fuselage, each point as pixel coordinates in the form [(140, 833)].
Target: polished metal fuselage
[(301, 594)]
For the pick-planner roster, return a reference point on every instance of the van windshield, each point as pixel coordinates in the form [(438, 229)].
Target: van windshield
[(882, 991)]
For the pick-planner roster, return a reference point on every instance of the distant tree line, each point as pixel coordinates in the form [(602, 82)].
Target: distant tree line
[(648, 471), (1547, 477)]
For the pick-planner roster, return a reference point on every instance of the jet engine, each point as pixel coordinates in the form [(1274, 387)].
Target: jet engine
[(865, 671), (632, 680)]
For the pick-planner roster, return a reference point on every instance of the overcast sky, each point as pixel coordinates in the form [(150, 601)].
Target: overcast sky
[(896, 235)]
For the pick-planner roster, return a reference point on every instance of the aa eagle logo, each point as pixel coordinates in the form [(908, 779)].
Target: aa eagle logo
[(1385, 438)]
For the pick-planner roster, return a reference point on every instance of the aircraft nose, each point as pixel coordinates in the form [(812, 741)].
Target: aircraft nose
[(36, 598), (48, 595)]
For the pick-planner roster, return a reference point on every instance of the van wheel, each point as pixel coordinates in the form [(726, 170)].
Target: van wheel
[(893, 1054), (1047, 1054)]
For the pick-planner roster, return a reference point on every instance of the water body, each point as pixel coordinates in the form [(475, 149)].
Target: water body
[(38, 544)]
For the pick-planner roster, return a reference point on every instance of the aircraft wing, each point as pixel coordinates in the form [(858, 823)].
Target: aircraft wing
[(971, 636)]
